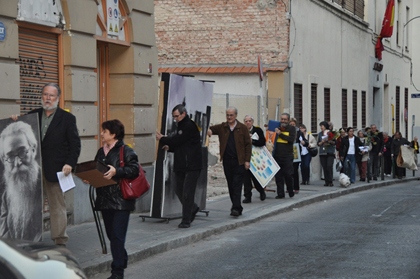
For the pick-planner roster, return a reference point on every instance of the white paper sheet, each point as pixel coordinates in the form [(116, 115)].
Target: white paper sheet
[(66, 182), (255, 136)]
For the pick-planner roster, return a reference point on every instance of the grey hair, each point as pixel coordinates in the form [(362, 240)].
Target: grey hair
[(288, 115), (181, 108), (233, 108), (53, 85), (249, 116), (17, 128)]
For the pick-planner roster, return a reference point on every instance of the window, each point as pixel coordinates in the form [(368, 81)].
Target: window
[(327, 104), (356, 7), (314, 110), (298, 103), (344, 120), (364, 124), (354, 109), (406, 112), (397, 109)]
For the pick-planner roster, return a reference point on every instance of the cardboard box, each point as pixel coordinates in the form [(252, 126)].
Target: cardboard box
[(93, 171)]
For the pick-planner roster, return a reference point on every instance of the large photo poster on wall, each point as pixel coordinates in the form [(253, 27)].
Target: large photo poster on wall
[(21, 184), (197, 97)]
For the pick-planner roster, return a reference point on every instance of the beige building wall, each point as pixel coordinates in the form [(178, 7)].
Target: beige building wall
[(132, 82)]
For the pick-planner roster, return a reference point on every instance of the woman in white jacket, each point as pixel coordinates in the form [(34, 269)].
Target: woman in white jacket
[(307, 140)]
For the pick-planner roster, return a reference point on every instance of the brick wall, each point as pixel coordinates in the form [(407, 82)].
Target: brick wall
[(191, 32)]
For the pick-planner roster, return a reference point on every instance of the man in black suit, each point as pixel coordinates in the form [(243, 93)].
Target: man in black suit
[(60, 149), (258, 139)]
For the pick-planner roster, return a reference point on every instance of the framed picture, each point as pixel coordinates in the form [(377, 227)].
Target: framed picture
[(296, 153), (263, 166)]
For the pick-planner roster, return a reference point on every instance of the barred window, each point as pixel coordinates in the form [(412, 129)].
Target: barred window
[(397, 109), (298, 103), (344, 120), (364, 124), (314, 109), (354, 109), (406, 112), (327, 104)]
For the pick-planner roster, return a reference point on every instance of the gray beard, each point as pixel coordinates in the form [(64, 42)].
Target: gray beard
[(20, 190)]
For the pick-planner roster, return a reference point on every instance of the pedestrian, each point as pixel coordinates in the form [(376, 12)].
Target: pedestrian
[(235, 152), (296, 188), (109, 200), (415, 145), (376, 138), (363, 156), (257, 139), (342, 133), (386, 152), (348, 151), (306, 140), (283, 154), (326, 142), (185, 143), (397, 142), (60, 149)]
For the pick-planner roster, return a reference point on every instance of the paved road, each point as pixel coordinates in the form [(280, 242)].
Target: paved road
[(368, 234)]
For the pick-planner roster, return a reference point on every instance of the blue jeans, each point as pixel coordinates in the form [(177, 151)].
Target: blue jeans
[(305, 167), (116, 225), (350, 166)]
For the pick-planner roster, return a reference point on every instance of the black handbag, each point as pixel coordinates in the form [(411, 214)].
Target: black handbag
[(313, 151)]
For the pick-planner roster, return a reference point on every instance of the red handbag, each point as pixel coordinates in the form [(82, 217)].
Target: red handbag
[(133, 188)]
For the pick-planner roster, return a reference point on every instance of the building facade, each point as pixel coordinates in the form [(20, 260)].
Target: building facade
[(104, 57)]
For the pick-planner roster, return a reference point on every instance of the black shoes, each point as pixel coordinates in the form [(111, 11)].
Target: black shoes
[(280, 197), (183, 226), (247, 200), (194, 213), (375, 178), (263, 196), (115, 276), (291, 194), (235, 213)]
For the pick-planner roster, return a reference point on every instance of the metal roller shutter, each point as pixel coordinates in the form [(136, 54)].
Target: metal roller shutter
[(38, 61)]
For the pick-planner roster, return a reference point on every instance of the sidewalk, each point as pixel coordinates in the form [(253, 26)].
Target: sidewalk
[(153, 236)]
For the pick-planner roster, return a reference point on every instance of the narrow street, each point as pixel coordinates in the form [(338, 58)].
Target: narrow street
[(370, 234)]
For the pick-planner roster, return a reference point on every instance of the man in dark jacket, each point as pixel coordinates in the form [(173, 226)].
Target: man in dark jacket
[(283, 154), (397, 142), (186, 145), (376, 139), (258, 139), (60, 149)]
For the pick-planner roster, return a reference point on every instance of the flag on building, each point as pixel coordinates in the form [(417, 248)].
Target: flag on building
[(387, 28)]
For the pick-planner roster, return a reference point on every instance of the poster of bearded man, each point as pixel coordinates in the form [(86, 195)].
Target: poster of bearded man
[(20, 179)]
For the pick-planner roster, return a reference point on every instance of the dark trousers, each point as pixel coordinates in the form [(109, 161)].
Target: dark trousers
[(305, 165), (387, 163), (249, 178), (296, 176), (285, 174), (373, 169), (186, 182), (327, 162), (116, 225), (234, 174)]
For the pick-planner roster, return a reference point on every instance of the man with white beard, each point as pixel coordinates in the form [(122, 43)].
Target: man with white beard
[(21, 205)]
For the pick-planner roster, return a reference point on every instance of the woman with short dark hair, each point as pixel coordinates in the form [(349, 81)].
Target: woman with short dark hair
[(115, 209)]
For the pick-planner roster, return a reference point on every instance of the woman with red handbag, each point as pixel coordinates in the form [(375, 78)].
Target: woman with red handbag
[(109, 200)]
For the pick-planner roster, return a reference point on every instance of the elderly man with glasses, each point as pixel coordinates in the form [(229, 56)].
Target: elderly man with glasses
[(21, 216)]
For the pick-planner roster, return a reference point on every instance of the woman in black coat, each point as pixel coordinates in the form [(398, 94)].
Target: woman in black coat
[(116, 210)]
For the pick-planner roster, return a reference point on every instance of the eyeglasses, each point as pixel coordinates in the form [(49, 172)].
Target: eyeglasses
[(230, 115), (10, 158), (51, 96)]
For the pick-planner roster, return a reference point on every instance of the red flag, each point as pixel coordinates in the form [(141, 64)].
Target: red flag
[(387, 28)]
